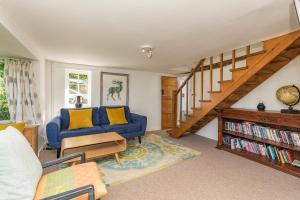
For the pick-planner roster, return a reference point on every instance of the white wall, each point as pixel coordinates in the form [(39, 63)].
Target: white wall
[(144, 90), (288, 75)]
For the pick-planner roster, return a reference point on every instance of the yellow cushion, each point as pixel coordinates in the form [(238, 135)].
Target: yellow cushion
[(80, 119), (19, 125), (116, 116)]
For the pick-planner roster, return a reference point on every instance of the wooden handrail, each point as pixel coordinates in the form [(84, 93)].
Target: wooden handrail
[(229, 61), (190, 75)]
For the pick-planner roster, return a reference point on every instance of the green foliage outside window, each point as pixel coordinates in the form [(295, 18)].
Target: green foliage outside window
[(4, 113)]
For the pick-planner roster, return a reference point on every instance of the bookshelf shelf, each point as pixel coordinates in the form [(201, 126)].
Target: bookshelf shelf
[(276, 120), (287, 168), (257, 139)]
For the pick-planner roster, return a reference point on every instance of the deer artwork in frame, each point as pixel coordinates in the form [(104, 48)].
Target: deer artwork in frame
[(114, 89)]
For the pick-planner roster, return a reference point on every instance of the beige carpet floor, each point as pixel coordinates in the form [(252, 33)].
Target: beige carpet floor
[(213, 175)]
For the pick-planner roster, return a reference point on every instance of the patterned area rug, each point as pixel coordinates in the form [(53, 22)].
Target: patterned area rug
[(155, 153)]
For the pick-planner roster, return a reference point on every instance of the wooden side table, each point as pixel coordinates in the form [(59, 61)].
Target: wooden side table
[(31, 133)]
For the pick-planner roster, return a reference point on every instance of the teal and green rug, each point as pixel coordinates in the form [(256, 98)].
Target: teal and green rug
[(154, 154)]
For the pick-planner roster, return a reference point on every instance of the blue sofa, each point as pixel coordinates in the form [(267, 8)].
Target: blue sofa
[(57, 128)]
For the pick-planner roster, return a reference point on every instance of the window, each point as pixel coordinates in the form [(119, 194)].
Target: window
[(78, 83), (4, 113)]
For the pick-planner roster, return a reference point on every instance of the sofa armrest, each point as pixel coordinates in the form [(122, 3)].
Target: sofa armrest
[(140, 119), (88, 189), (53, 129)]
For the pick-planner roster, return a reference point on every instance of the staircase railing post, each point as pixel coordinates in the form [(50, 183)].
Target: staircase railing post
[(248, 50), (211, 74), (180, 108), (221, 67), (187, 99), (174, 111), (233, 59), (194, 90), (202, 82)]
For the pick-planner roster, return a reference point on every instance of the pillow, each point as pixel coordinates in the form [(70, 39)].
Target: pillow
[(116, 116), (80, 119), (19, 125), (104, 118), (65, 116), (20, 169)]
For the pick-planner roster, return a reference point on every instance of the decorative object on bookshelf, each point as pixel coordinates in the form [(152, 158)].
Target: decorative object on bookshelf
[(290, 96), (296, 163), (261, 106), (269, 138)]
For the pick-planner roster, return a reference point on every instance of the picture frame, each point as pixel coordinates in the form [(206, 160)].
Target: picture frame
[(114, 89)]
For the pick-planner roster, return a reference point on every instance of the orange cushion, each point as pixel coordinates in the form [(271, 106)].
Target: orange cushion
[(71, 178)]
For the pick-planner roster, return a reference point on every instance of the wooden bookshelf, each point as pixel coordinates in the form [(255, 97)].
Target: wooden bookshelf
[(281, 121)]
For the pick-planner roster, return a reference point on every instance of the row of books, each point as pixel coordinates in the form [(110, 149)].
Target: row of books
[(271, 152), (268, 133)]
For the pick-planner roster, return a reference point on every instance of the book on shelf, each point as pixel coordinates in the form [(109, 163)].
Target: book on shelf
[(281, 155), (267, 133)]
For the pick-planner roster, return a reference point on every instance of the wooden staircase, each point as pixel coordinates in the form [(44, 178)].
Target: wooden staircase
[(276, 53)]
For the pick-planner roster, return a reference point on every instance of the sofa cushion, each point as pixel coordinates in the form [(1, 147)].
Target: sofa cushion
[(104, 118), (71, 178), (79, 132), (80, 119), (65, 117), (20, 168), (116, 116), (122, 128)]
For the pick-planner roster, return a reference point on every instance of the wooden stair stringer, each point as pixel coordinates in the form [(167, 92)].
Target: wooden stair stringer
[(235, 90)]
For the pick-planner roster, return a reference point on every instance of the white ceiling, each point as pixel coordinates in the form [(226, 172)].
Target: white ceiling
[(11, 47), (110, 32)]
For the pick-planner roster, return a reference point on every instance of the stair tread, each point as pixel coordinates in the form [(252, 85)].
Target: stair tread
[(225, 81), (257, 53), (216, 91), (205, 100), (239, 69)]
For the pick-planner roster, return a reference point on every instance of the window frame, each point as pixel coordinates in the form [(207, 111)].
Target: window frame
[(67, 85)]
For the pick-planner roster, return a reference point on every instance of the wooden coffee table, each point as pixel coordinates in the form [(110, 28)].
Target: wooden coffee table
[(95, 146)]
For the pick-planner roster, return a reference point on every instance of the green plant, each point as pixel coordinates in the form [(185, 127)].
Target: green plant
[(4, 112)]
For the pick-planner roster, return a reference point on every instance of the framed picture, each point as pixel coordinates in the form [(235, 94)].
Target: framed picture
[(114, 89)]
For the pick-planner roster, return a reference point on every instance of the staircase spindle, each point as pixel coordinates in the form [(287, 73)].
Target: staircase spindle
[(180, 108), (211, 74), (221, 67), (248, 50), (187, 98), (233, 59), (174, 111), (194, 90), (202, 81)]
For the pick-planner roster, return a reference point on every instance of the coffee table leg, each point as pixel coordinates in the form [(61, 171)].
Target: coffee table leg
[(118, 158)]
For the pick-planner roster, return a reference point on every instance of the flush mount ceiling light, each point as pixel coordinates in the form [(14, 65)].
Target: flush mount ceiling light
[(147, 51)]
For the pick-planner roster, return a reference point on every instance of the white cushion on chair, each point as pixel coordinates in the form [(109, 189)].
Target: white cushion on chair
[(20, 168)]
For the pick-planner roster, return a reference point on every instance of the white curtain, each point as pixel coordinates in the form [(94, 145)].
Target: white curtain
[(20, 89)]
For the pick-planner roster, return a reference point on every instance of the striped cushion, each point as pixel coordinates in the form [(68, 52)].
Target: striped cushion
[(71, 178)]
